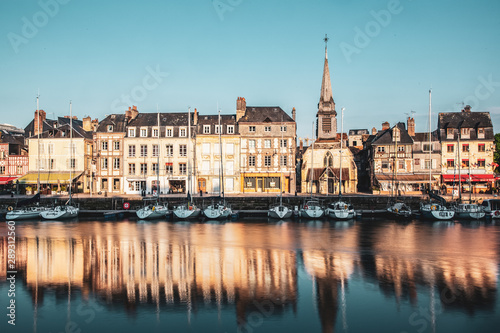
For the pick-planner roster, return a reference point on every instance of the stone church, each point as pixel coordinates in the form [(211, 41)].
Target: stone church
[(325, 162)]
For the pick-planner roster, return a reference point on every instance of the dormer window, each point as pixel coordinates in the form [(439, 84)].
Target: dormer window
[(131, 132), (251, 128), (156, 132), (182, 132), (144, 132), (206, 129), (110, 128), (230, 129), (396, 135), (169, 132), (480, 133), (449, 133), (217, 129), (267, 129), (465, 132), (283, 128)]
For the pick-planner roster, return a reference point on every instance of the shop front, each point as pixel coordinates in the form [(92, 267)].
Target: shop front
[(474, 183), (406, 184), (264, 183)]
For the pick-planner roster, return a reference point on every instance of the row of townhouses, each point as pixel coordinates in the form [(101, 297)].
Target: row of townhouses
[(252, 150)]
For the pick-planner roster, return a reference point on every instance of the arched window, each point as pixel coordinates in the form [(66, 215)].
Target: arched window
[(328, 161)]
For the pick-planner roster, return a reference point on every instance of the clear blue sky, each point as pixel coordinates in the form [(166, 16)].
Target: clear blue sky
[(270, 52)]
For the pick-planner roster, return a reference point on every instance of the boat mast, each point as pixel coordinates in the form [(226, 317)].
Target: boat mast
[(189, 154), (312, 159), (459, 162), (158, 157), (221, 176), (341, 146), (430, 144), (38, 141), (280, 157), (71, 150), (395, 171)]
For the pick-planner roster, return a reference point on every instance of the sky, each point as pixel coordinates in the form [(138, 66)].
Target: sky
[(384, 56)]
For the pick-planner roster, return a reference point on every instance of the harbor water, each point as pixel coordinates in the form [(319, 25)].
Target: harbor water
[(252, 276)]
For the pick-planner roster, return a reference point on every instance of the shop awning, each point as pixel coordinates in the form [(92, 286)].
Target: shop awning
[(422, 178), (6, 179), (49, 177), (473, 178)]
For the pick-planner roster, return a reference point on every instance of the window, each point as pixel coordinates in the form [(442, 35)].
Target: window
[(251, 144), (251, 161), (465, 148), (267, 161), (251, 128), (481, 147), (480, 133), (104, 163), (283, 160), (427, 164), (386, 165), (182, 132), (131, 169), (401, 149), (144, 169), (465, 163), (283, 143), (71, 163), (154, 168), (169, 132), (217, 129), (205, 148), (183, 150), (170, 150), (20, 170), (168, 168), (450, 132), (144, 132), (104, 145), (116, 145), (465, 132), (395, 135), (481, 163), (206, 129), (116, 184), (144, 150), (131, 132), (267, 143), (116, 163), (131, 151), (229, 148), (267, 129), (450, 164), (380, 149), (426, 147), (50, 147), (230, 129), (355, 143), (450, 148), (51, 164), (110, 128), (182, 168), (401, 165), (155, 151), (283, 128), (156, 132), (2, 169)]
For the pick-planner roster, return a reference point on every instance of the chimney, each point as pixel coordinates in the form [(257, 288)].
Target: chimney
[(385, 126), (241, 107), (411, 126), (301, 144), (87, 124), (195, 117), (134, 112), (374, 131), (466, 109), (94, 124), (40, 116), (128, 114), (294, 113)]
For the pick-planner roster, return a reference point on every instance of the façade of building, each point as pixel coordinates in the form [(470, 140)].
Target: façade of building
[(328, 165), (13, 156)]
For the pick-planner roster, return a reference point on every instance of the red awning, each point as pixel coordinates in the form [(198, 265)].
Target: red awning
[(474, 178), (5, 180)]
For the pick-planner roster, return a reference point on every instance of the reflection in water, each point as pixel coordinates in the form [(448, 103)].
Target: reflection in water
[(253, 268)]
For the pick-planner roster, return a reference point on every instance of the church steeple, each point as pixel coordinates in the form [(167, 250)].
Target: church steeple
[(327, 121)]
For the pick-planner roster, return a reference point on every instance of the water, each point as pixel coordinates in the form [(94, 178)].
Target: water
[(253, 276)]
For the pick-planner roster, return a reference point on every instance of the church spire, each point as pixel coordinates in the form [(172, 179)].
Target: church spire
[(326, 98)]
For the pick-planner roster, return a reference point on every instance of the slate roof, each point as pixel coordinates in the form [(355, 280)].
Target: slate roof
[(117, 120), (385, 137), (6, 137), (472, 120), (424, 136), (46, 125), (166, 119), (358, 131), (259, 114), (213, 120), (63, 132)]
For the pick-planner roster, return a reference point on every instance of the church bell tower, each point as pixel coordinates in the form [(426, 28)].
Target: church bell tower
[(327, 120)]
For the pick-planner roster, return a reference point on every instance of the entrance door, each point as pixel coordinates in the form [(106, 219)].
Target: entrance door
[(260, 184), (202, 185)]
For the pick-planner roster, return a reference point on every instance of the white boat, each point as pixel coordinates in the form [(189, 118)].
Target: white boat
[(312, 210), (186, 211), (280, 212), (492, 208), (60, 212), (436, 211), (430, 210), (469, 211), (69, 210), (217, 211), (399, 210), (24, 213), (151, 212), (340, 210)]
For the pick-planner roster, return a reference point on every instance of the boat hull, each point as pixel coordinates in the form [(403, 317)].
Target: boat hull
[(216, 213), (470, 215), (279, 213), (311, 213), (23, 214), (60, 213), (186, 214), (156, 212), (340, 214), (436, 212)]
